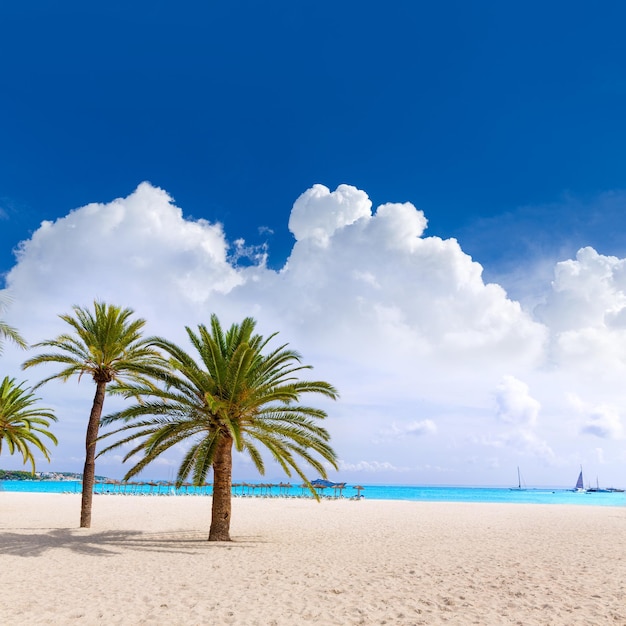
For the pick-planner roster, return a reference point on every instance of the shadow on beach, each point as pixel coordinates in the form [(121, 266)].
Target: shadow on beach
[(110, 543)]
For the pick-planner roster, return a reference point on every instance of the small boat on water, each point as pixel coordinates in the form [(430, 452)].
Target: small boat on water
[(580, 487), (597, 489), (519, 483)]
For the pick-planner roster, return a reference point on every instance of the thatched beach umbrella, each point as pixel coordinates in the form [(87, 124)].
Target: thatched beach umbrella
[(321, 484), (320, 488), (359, 489), (341, 487)]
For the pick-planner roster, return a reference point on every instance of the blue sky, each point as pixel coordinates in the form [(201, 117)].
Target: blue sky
[(503, 123), (467, 110)]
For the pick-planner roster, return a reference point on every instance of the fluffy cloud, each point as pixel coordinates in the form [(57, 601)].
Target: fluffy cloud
[(515, 404), (586, 310), (138, 250), (402, 323), (519, 442), (588, 292), (423, 297), (371, 467), (410, 429), (318, 213), (601, 420)]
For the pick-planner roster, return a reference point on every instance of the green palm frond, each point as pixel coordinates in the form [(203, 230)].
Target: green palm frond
[(231, 391), (105, 344), (9, 332), (22, 423)]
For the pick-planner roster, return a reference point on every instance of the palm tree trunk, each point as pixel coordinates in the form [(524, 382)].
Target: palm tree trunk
[(89, 471), (222, 484)]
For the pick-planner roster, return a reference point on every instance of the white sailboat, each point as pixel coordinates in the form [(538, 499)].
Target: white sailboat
[(519, 483), (580, 488)]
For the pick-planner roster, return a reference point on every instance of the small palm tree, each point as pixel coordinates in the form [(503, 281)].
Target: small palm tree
[(21, 423), (236, 396), (108, 346), (8, 332)]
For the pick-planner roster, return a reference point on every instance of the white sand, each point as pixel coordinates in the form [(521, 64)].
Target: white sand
[(146, 561)]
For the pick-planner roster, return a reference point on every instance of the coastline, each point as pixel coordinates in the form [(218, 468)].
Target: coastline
[(293, 561), (414, 493)]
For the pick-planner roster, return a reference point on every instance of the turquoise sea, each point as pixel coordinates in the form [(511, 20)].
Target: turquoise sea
[(370, 492)]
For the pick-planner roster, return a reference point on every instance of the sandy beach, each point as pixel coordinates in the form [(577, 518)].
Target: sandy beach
[(294, 561)]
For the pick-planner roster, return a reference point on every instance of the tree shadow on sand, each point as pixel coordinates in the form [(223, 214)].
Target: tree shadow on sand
[(109, 543)]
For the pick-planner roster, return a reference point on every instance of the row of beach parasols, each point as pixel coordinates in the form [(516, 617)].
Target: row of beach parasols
[(242, 489)]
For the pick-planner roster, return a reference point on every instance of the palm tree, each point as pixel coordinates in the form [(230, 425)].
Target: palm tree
[(8, 332), (235, 396), (21, 423), (108, 346)]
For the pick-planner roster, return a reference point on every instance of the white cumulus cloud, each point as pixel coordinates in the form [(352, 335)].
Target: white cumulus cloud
[(402, 323), (514, 403), (318, 212), (602, 421)]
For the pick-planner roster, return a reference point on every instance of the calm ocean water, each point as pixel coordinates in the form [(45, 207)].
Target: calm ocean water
[(371, 492)]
